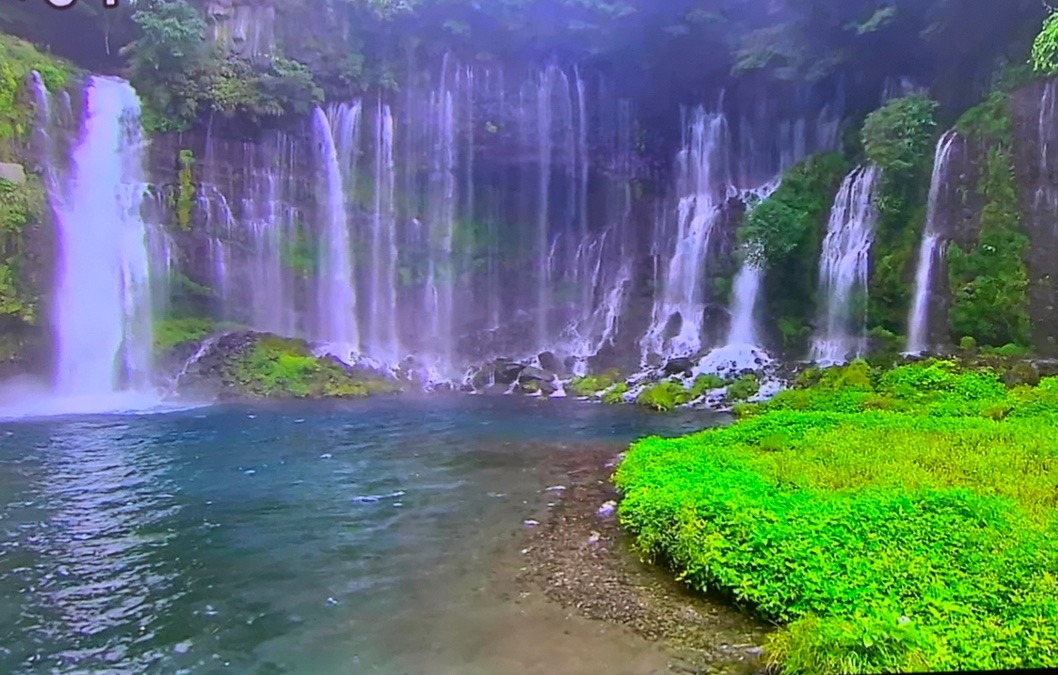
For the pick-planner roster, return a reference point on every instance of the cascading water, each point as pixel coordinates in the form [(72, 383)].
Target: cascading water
[(443, 211), (703, 184), (918, 319), (336, 324), (745, 291), (843, 268), (102, 303), (383, 342)]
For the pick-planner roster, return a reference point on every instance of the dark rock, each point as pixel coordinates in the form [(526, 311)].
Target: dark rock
[(679, 366), (548, 361), (506, 372), (538, 374)]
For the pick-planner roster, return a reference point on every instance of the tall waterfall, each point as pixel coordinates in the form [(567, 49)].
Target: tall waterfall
[(336, 322), (843, 268), (918, 319), (102, 302), (383, 341), (452, 224), (702, 188)]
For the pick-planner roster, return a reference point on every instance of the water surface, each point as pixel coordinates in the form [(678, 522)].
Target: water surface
[(320, 538)]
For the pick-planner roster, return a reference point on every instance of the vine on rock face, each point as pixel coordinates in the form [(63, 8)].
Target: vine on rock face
[(185, 195), (989, 280)]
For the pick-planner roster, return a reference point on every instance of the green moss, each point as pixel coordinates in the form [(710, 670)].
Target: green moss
[(285, 368), (18, 59), (593, 384)]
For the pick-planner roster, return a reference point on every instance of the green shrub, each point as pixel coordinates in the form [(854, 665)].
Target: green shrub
[(881, 541)]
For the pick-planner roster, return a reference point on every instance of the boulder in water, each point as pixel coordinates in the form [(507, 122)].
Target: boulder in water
[(548, 361)]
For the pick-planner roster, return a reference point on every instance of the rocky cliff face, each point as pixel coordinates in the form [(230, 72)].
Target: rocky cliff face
[(1035, 111), (246, 27)]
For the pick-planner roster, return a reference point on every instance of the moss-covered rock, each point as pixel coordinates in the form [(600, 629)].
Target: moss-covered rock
[(743, 388), (266, 366), (590, 385)]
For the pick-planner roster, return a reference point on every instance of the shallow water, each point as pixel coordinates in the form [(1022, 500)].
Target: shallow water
[(317, 538)]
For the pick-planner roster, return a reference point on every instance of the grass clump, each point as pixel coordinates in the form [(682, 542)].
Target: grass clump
[(890, 520), (285, 368)]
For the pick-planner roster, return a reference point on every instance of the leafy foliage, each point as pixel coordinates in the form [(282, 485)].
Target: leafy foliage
[(1045, 47), (884, 517), (178, 74)]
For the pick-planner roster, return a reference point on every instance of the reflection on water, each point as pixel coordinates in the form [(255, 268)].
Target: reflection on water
[(325, 538)]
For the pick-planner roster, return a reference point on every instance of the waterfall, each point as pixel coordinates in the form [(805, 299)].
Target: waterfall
[(702, 181), (102, 302), (543, 243), (443, 210), (383, 341), (843, 268), (336, 301), (918, 319), (746, 289)]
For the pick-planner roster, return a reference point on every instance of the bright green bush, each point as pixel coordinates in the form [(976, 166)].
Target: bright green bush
[(883, 541)]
